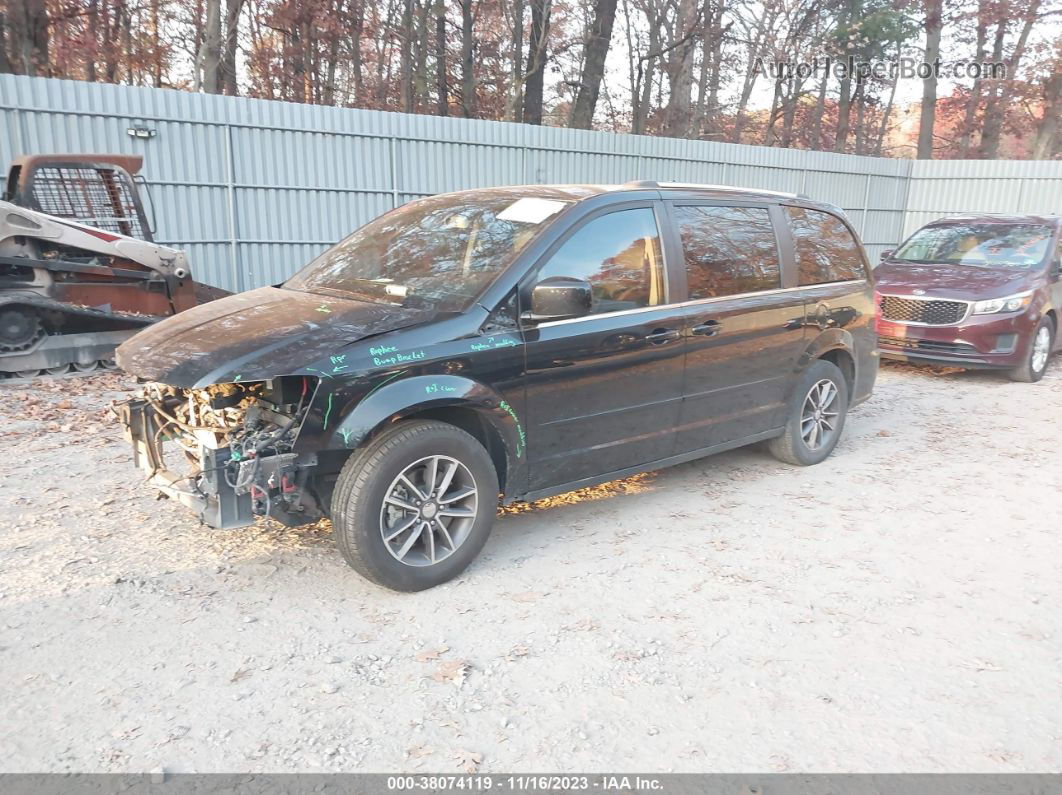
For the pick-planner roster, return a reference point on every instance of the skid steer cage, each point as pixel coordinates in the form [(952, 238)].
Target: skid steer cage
[(96, 190)]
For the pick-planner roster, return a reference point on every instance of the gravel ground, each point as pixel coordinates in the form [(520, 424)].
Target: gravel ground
[(893, 609)]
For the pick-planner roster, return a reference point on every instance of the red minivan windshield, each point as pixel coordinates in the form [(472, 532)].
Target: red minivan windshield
[(980, 245), (440, 252)]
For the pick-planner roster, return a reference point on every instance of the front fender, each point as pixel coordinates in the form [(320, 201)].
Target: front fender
[(349, 422)]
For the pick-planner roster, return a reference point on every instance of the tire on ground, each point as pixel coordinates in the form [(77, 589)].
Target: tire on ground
[(1025, 372), (364, 481), (791, 447)]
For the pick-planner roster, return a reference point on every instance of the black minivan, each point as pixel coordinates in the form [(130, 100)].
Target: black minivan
[(515, 342)]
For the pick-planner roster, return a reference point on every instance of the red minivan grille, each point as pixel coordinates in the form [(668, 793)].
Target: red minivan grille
[(935, 312)]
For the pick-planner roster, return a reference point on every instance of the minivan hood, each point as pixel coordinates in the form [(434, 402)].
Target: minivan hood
[(951, 281), (255, 335)]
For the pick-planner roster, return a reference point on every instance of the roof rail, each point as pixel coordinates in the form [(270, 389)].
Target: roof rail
[(645, 183)]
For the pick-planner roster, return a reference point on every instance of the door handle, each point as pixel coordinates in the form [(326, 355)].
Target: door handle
[(708, 328), (662, 335)]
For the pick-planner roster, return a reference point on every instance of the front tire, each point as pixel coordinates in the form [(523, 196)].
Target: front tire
[(816, 416), (1035, 365), (413, 509)]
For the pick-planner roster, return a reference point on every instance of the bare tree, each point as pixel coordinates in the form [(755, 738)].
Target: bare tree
[(468, 66), (598, 38), (28, 37), (927, 121), (999, 94), (536, 61)]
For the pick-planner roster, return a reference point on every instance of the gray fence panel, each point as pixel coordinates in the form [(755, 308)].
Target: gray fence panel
[(253, 189), (955, 187)]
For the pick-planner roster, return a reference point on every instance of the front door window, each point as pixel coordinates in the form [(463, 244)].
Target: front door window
[(619, 254)]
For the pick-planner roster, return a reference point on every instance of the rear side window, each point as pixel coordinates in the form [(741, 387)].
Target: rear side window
[(728, 250), (825, 249), (619, 254)]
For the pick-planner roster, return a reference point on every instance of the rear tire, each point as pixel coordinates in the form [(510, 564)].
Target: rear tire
[(816, 415), (1035, 365), (432, 479)]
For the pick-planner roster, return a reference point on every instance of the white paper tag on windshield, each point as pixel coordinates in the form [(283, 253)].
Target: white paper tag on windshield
[(530, 211)]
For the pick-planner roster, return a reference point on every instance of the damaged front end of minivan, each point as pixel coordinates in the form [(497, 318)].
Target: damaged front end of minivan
[(227, 450)]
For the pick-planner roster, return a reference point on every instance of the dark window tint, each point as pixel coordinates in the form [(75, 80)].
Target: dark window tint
[(728, 250), (825, 249), (619, 254)]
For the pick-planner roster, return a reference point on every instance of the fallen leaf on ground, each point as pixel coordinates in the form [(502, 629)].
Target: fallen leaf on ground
[(419, 752), (453, 672), (426, 655), (468, 760)]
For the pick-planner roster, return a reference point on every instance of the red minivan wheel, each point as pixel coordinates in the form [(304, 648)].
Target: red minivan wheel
[(1043, 340)]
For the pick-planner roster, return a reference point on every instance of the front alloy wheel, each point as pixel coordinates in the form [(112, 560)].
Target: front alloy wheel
[(818, 420), (429, 511), (1035, 364), (412, 508)]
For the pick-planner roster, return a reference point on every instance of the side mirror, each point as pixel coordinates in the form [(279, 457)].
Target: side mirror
[(886, 254), (559, 298), (1056, 266)]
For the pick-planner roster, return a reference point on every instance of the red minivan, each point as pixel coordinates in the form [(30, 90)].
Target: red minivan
[(979, 291)]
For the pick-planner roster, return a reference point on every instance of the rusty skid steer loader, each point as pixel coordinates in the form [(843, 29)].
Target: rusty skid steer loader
[(79, 271)]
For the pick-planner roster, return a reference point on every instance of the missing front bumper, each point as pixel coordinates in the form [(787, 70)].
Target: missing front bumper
[(208, 493)]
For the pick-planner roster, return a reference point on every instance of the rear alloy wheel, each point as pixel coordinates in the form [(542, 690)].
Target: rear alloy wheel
[(1032, 369), (413, 508), (816, 416)]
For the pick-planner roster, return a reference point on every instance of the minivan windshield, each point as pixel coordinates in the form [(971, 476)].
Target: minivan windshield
[(438, 253), (992, 245)]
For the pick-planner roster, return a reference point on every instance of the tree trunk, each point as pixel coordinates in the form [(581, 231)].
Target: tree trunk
[(468, 75), (598, 39), (420, 62), (777, 101), (1047, 140), (789, 114), (405, 68), (210, 48), (156, 46), (442, 91), (5, 64), (110, 58), (93, 39), (844, 114), (680, 73), (883, 128), (715, 70), (934, 23), (861, 116), (515, 101), (227, 77), (536, 61), (645, 88), (974, 101), (127, 44), (815, 141), (27, 27), (358, 18), (999, 98)]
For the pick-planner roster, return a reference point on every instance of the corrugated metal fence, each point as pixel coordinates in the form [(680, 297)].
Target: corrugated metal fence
[(253, 189), (951, 187)]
